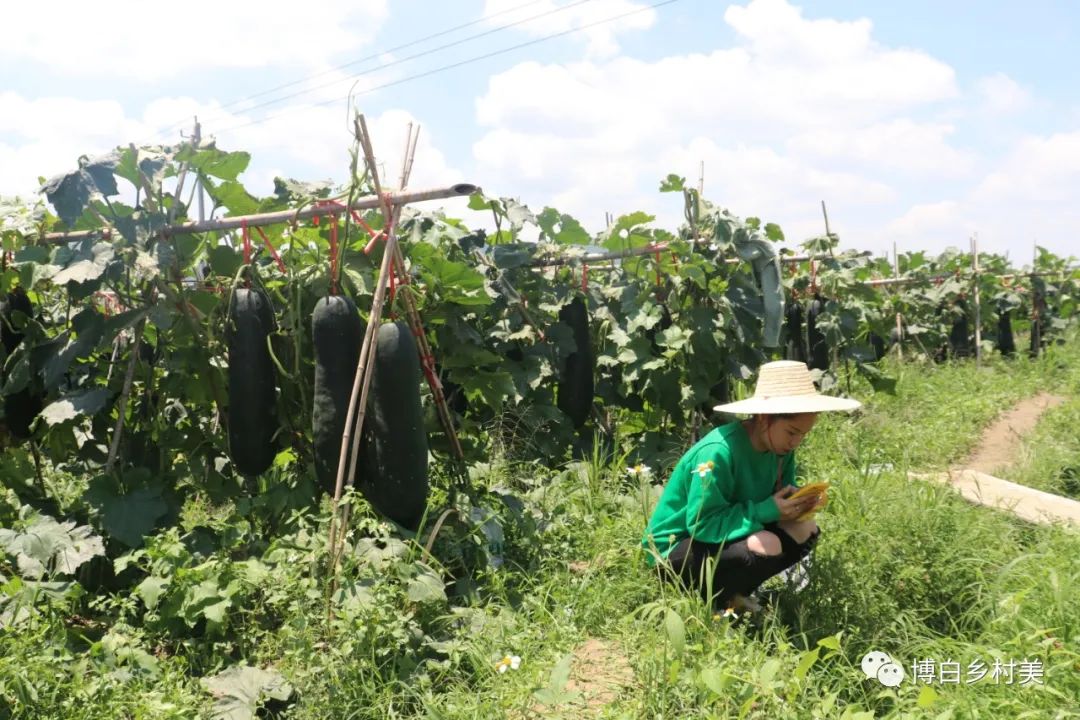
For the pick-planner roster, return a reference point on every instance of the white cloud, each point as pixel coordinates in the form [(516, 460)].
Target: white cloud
[(1028, 196), (1002, 94), (307, 143), (550, 19), (896, 145), (796, 112), (146, 40)]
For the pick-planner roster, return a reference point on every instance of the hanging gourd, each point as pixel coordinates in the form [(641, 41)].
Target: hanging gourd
[(574, 395), (252, 413), (1006, 345), (22, 407), (959, 338), (392, 472), (796, 342), (819, 351), (878, 343), (337, 333)]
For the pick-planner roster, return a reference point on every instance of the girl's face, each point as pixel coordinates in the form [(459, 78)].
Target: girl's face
[(784, 434)]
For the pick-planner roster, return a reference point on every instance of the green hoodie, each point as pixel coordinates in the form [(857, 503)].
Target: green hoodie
[(729, 500)]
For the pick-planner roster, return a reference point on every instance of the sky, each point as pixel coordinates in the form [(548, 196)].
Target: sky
[(918, 123)]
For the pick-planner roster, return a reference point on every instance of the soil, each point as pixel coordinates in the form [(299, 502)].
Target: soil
[(599, 673), (1000, 442)]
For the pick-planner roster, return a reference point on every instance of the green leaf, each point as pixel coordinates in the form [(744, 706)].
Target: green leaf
[(469, 356), (224, 260), (233, 197), (562, 228), (517, 214), (676, 631), (767, 672), (151, 590), (88, 267), (806, 662), (493, 387), (240, 691), (220, 164), (71, 193), (832, 641), (426, 587), (716, 680), (127, 516), (73, 406), (555, 692), (672, 183), (47, 546), (927, 696), (512, 255), (477, 201), (455, 282), (34, 254)]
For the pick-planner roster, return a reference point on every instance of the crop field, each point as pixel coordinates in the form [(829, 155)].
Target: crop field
[(178, 412)]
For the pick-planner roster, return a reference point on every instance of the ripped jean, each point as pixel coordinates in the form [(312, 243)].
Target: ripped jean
[(738, 570)]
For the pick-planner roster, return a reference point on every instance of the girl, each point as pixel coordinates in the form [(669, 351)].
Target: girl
[(725, 523)]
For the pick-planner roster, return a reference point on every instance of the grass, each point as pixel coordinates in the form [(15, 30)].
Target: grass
[(1049, 459), (902, 566)]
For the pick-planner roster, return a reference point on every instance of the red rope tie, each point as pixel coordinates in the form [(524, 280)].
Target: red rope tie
[(393, 284), (427, 363), (273, 252), (246, 235), (333, 255)]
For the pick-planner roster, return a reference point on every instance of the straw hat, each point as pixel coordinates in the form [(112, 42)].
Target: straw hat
[(784, 386)]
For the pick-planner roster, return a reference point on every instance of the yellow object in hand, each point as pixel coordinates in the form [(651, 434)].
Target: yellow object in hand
[(818, 489)]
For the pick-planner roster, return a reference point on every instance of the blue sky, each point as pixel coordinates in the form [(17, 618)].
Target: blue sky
[(918, 123)]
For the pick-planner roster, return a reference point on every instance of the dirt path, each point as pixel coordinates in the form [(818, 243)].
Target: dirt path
[(997, 450), (599, 673), (1000, 443)]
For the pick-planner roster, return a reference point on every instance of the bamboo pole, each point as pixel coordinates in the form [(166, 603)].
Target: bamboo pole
[(978, 307), (415, 322), (657, 247), (361, 379), (899, 320), (906, 281), (121, 407), (286, 216)]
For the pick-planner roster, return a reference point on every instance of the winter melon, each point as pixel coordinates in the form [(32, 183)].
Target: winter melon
[(392, 474), (337, 333), (252, 415)]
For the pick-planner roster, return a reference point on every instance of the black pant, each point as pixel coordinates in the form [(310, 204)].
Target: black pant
[(738, 570)]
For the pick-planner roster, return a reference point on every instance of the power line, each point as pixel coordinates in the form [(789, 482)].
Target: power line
[(452, 66), (307, 91), (373, 56)]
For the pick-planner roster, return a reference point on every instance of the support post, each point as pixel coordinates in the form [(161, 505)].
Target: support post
[(197, 139), (899, 322), (978, 307)]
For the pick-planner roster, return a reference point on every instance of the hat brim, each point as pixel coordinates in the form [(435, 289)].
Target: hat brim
[(792, 404)]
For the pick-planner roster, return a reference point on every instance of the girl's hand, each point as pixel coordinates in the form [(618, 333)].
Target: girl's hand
[(793, 509)]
